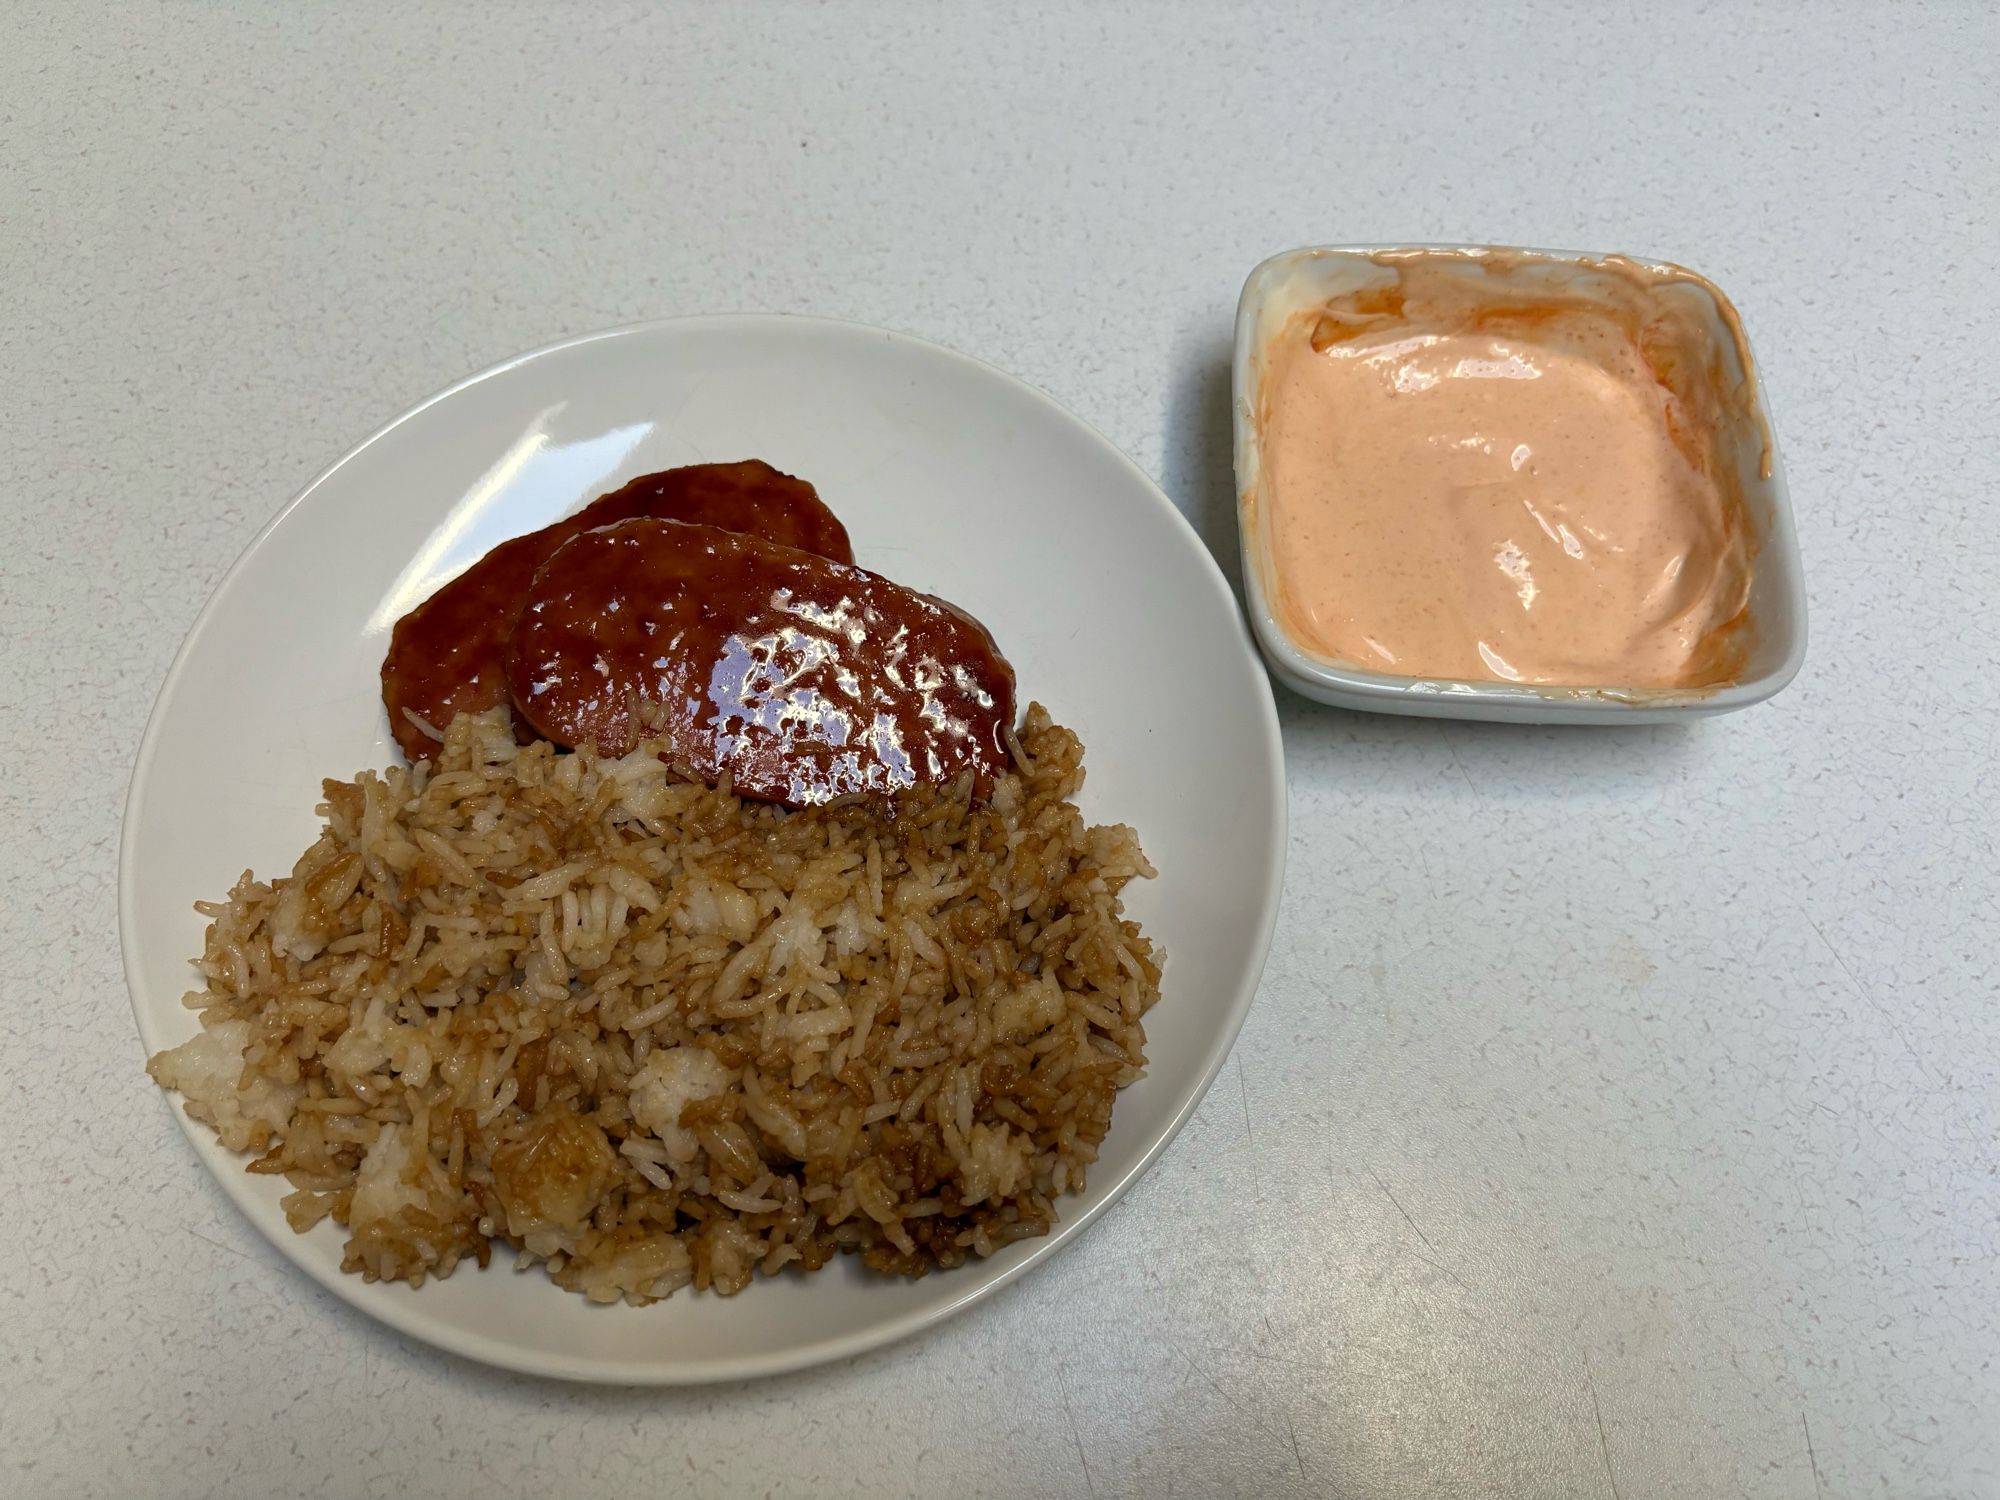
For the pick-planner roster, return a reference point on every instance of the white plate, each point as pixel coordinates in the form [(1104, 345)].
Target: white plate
[(951, 477)]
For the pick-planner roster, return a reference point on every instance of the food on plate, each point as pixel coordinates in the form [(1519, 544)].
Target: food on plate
[(750, 496), (448, 655), (798, 678), (1472, 473), (614, 1006), (652, 1034)]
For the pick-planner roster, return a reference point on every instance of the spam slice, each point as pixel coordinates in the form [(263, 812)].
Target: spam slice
[(448, 655), (801, 678)]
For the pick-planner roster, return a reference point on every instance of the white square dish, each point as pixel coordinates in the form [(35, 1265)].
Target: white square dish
[(1297, 280)]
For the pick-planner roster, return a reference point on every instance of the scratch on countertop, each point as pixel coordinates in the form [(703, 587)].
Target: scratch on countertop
[(1414, 1227), (1463, 773), (1196, 1367), (1249, 1135), (1294, 1362), (1292, 1431), (1603, 1442), (230, 1249), (1076, 1433), (1868, 996), (1811, 1457), (1432, 1259)]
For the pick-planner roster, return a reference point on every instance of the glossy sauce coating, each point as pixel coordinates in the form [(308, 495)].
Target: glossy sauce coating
[(750, 496), (448, 655), (800, 678)]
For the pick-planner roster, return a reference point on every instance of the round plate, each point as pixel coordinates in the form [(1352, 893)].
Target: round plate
[(951, 477)]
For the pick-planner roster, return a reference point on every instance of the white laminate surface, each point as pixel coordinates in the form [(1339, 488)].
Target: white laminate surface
[(1619, 1113)]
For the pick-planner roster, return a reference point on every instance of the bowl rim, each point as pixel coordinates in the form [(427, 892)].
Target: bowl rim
[(1357, 687)]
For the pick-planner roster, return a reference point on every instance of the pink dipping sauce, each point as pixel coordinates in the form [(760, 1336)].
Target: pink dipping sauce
[(1465, 478)]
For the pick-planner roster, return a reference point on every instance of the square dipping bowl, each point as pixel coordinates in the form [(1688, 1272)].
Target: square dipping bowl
[(1298, 280)]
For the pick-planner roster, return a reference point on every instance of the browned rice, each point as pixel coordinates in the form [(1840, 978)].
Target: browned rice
[(651, 1034)]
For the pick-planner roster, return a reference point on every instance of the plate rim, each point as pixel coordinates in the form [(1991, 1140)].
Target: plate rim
[(367, 1297)]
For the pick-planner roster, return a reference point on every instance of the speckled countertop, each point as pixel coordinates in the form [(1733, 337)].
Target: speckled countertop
[(1621, 1111)]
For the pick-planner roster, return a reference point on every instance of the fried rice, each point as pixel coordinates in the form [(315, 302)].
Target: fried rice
[(653, 1035)]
